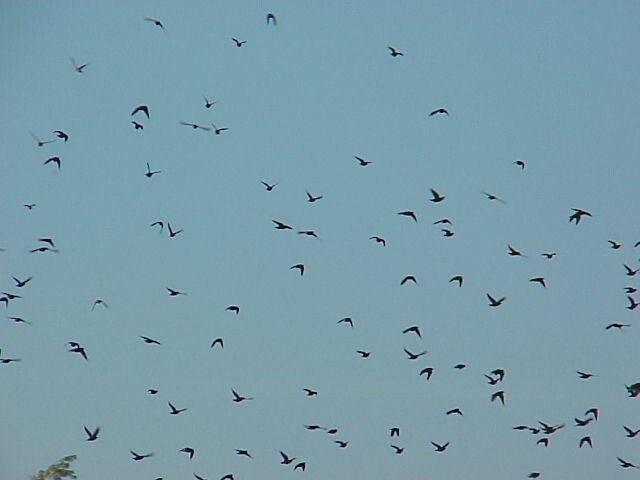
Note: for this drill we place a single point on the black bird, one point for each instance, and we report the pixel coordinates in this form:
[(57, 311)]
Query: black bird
[(460, 366), (582, 422), (394, 52), (499, 372), (415, 329), (281, 226), (549, 429), (341, 443), (395, 431), (76, 67), (548, 255), (152, 391), (195, 126), (141, 108), (619, 326), (19, 320), (447, 233), (625, 464), (40, 143), (630, 289), (414, 356), (593, 411), (348, 320), (239, 43), (47, 240), (21, 283), (55, 160), (440, 448), (494, 302), (630, 271), (439, 110), (455, 411), (29, 206), (409, 278), (539, 280), (309, 233), (268, 187), (309, 392), (244, 453), (150, 341), (174, 410), (9, 360), (632, 303), (137, 456), (363, 353), (298, 266), (457, 278), (217, 130), (491, 196), (498, 395), (156, 22), (398, 450), (286, 460), (158, 223), (513, 252), (428, 371), (271, 18), (207, 103), (173, 233), (92, 436), (198, 477), (409, 213), (614, 245), (233, 308), (578, 214), (362, 161), (443, 221), (216, 342), (379, 240), (491, 380), (520, 163), (76, 348), (543, 441), (149, 173), (174, 293), (302, 466), (61, 134), (137, 126), (631, 433), (239, 398), (189, 451), (436, 197), (99, 301), (311, 198), (585, 376)]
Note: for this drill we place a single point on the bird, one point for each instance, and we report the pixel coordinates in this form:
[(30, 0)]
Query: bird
[(498, 395), (379, 240), (47, 240), (580, 422), (534, 475), (92, 436), (614, 245), (363, 353), (233, 308), (99, 301), (499, 372), (543, 441), (239, 398), (409, 213), (19, 320), (550, 429), (244, 453), (454, 411), (159, 224), (630, 271), (62, 135), (584, 376), (630, 432), (197, 477), (136, 456), (619, 326), (173, 233), (228, 476), (268, 187), (428, 371), (9, 360), (407, 279), (491, 196), (394, 52), (414, 356), (207, 103), (308, 233), (311, 198), (76, 348), (286, 460), (174, 293), (281, 226), (217, 341), (239, 43), (271, 18), (189, 451), (219, 130), (447, 232), (397, 449), (394, 431), (630, 289), (155, 21), (362, 162), (625, 464), (341, 443), (137, 126), (195, 126), (439, 110), (520, 163), (415, 329), (457, 278), (491, 380), (141, 108), (298, 266), (494, 302), (443, 221), (514, 253), (548, 255), (310, 392), (174, 410), (41, 143), (440, 448), (55, 160), (149, 340), (21, 283), (76, 67), (348, 320), (460, 366), (152, 391), (593, 411), (539, 280), (302, 466), (436, 197), (29, 206), (578, 214), (149, 173), (632, 303)]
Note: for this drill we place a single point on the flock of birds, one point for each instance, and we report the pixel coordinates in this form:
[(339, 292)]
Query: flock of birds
[(542, 431)]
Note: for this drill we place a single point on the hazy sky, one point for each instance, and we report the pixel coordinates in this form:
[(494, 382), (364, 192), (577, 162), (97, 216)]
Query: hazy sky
[(553, 84)]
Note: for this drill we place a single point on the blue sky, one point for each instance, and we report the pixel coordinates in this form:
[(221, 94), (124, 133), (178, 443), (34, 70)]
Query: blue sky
[(552, 84)]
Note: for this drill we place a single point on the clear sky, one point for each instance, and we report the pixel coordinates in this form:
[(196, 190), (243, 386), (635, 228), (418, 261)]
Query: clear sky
[(553, 84)]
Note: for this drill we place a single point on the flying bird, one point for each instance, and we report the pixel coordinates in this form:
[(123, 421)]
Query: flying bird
[(271, 18), (443, 221), (619, 326), (40, 143), (310, 392), (625, 464), (593, 411), (630, 271), (379, 240), (311, 198), (219, 130), (491, 196), (409, 213), (498, 395), (19, 320), (539, 280), (233, 308), (398, 450), (244, 453), (632, 303), (141, 108), (239, 43), (428, 371), (454, 411), (76, 67), (362, 161), (514, 253), (60, 134), (584, 375), (99, 301), (155, 21), (189, 451), (348, 320), (409, 278), (447, 232), (239, 398), (363, 354), (578, 214), (150, 173), (439, 111), (136, 456), (21, 283), (494, 302), (394, 52), (149, 340), (194, 126), (394, 431), (207, 103), (614, 245), (174, 293), (631, 433), (520, 163), (341, 443), (173, 233), (436, 197), (298, 266), (308, 233), (281, 226), (174, 410), (92, 436), (286, 460), (414, 356), (440, 448), (457, 278), (29, 206), (159, 224), (268, 187), (137, 126), (302, 466), (548, 255), (217, 341), (415, 329), (55, 160)]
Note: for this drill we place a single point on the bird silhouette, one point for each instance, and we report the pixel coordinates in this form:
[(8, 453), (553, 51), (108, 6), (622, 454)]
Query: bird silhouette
[(21, 283), (281, 226), (218, 130), (362, 162), (630, 271), (632, 303), (394, 52), (239, 398), (302, 466), (363, 353), (414, 356), (341, 443), (233, 308), (195, 126), (149, 340), (625, 464), (397, 450), (578, 214), (41, 143), (582, 422), (415, 329), (174, 293), (55, 160), (310, 392), (436, 197), (174, 410), (243, 453), (155, 21), (619, 326), (298, 266), (19, 320), (548, 255), (379, 240), (286, 460), (348, 320), (78, 68), (495, 303), (99, 301), (159, 224), (92, 435), (137, 126), (308, 233), (217, 341), (268, 187), (141, 108), (312, 199), (189, 451), (409, 213), (544, 441), (491, 196), (457, 278), (630, 432), (152, 391), (614, 245), (149, 173), (439, 111), (498, 395), (173, 233), (271, 18), (584, 375), (29, 206), (440, 448), (409, 278), (239, 43), (515, 253), (394, 431), (520, 163), (630, 289), (207, 103), (137, 457), (62, 135), (454, 411), (447, 232), (428, 371), (539, 280)]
